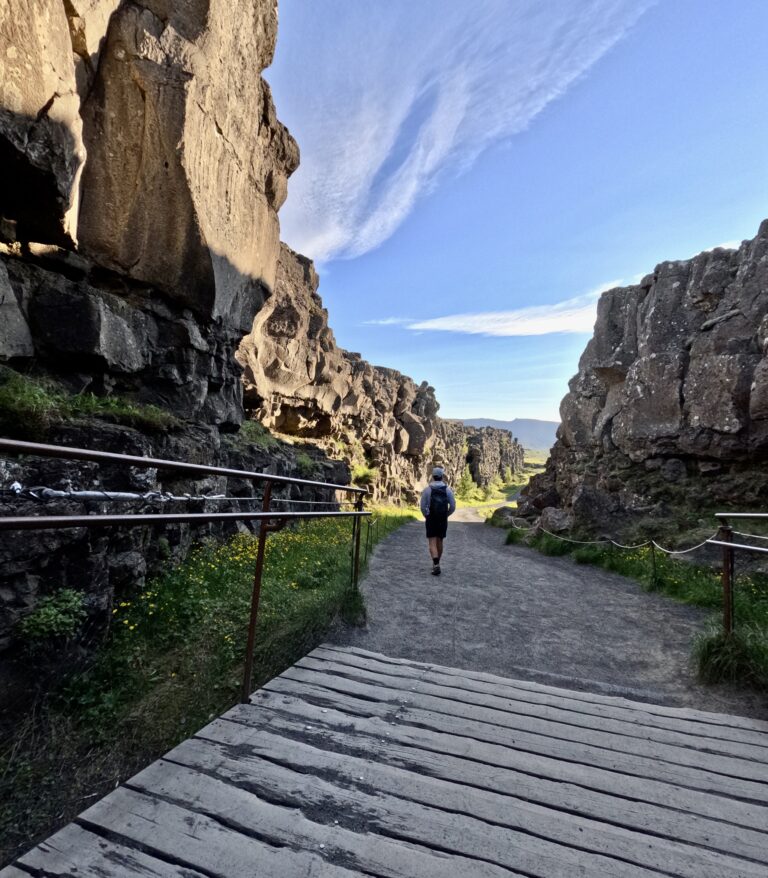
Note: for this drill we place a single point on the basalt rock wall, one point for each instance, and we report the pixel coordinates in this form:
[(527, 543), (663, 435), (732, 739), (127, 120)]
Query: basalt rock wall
[(143, 167), (300, 383), (669, 409), (141, 135)]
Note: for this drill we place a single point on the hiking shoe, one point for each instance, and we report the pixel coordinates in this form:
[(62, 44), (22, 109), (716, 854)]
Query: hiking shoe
[(436, 570)]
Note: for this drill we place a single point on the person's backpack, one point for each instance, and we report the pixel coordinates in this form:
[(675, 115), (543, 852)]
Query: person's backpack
[(438, 501)]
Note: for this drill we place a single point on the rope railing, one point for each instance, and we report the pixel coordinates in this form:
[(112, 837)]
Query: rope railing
[(722, 537), (270, 519), (609, 541)]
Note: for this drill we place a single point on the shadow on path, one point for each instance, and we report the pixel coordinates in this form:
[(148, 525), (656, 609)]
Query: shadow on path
[(510, 611)]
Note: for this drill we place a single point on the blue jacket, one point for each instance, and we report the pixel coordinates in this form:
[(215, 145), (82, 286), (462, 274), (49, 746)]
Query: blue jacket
[(426, 496)]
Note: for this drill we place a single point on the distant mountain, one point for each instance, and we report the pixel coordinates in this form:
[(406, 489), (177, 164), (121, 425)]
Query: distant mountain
[(531, 433)]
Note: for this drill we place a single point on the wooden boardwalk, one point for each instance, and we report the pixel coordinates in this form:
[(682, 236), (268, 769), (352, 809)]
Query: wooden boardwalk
[(351, 763)]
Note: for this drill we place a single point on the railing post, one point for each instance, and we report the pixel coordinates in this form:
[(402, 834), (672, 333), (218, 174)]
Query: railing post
[(726, 535), (653, 565), (257, 577), (355, 525), (356, 566)]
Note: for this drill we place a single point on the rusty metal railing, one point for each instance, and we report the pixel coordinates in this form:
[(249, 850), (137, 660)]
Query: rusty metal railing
[(725, 536), (270, 519)]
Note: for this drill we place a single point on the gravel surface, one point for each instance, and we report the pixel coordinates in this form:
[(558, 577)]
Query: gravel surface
[(511, 611)]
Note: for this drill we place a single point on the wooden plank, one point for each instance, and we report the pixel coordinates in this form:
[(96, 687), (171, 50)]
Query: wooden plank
[(487, 786), (390, 816), (200, 842), (220, 803), (633, 712), (723, 719), (442, 733), (74, 851), (512, 832), (664, 756), (550, 712)]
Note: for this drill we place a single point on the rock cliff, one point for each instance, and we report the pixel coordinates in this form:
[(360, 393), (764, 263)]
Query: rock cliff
[(143, 133), (669, 409), (300, 383), (143, 168)]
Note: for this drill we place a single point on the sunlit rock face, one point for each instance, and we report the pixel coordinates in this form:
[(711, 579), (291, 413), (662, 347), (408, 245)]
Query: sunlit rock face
[(299, 382), (670, 405), (141, 140), (187, 164), (41, 141)]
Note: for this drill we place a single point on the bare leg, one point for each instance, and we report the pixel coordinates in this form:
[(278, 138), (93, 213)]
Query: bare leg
[(438, 547), (435, 547)]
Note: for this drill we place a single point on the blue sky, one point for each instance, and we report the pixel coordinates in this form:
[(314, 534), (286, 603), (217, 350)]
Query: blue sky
[(474, 172)]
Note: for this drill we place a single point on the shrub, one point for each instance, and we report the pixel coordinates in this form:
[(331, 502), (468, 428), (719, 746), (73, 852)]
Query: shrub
[(741, 657), (466, 487), (305, 465), (58, 617), (255, 433), (363, 475)]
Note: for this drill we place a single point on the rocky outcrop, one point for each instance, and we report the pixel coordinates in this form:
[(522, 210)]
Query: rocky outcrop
[(492, 453), (300, 383), (143, 134), (669, 409)]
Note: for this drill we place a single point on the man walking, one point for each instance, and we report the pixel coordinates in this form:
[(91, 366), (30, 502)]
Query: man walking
[(437, 503)]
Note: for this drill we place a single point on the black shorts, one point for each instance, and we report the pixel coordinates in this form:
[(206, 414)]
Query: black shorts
[(437, 526)]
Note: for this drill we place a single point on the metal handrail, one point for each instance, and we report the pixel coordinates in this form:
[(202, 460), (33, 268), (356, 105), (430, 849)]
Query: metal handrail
[(737, 546), (270, 520), (56, 522), (37, 448)]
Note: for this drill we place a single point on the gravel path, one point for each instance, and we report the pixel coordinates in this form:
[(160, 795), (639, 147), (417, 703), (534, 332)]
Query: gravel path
[(509, 610)]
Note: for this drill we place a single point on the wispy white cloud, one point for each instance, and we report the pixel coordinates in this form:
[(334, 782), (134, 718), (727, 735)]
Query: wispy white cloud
[(572, 315), (385, 98), (388, 321)]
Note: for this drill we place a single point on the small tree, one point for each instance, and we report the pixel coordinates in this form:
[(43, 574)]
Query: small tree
[(466, 487)]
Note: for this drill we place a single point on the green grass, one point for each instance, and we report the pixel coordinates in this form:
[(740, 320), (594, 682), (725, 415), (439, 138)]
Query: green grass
[(29, 407), (473, 496), (743, 657), (363, 475), (172, 661), (254, 433), (740, 658)]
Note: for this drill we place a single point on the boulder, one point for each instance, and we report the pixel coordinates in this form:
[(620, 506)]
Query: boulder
[(555, 520), (505, 516)]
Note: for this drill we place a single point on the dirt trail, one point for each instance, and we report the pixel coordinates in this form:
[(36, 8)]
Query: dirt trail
[(509, 610)]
